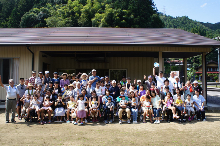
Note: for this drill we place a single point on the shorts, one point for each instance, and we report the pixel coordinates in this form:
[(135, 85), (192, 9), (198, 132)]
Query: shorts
[(34, 107), (60, 111), (24, 110), (180, 108), (46, 108), (19, 103), (146, 108)]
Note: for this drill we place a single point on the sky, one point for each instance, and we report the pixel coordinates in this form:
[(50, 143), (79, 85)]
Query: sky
[(199, 10)]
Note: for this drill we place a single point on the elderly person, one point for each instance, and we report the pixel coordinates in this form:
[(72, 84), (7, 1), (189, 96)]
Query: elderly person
[(172, 80), (21, 89), (197, 87), (12, 94), (47, 79), (114, 90), (94, 78), (148, 82)]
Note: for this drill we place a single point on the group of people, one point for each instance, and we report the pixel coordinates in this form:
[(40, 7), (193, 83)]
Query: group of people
[(81, 98)]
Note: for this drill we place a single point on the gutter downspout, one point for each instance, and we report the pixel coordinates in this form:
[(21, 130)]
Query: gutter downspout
[(206, 73), (32, 57)]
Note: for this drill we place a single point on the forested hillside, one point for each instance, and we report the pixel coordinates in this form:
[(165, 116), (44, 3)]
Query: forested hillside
[(79, 13)]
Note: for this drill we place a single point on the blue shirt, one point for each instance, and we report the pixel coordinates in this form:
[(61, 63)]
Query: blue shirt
[(11, 92), (92, 78), (55, 80)]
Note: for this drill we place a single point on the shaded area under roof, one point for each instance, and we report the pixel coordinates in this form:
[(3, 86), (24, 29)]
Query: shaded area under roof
[(103, 36)]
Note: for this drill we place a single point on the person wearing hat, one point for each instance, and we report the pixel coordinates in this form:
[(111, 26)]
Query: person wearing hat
[(148, 82), (64, 80), (21, 89), (160, 79), (47, 77), (11, 96), (30, 90), (197, 87), (39, 80), (94, 78), (138, 84), (32, 78), (123, 80), (177, 84), (55, 78), (84, 79), (114, 90)]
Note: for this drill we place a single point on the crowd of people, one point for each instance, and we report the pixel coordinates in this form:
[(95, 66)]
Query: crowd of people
[(80, 98)]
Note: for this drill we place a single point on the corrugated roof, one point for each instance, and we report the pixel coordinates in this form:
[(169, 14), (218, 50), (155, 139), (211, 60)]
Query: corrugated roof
[(102, 36)]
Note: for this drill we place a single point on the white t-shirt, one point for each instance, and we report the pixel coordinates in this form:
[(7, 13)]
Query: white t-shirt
[(81, 105), (175, 97), (103, 90), (98, 91), (160, 81), (189, 103), (84, 82), (29, 91)]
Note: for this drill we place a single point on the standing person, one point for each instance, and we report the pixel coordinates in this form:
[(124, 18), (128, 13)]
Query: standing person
[(64, 80), (176, 85), (123, 81), (128, 83), (94, 78), (32, 78), (47, 78), (21, 89), (160, 79), (39, 80), (12, 94), (26, 81), (114, 90), (55, 78), (188, 89), (148, 82), (107, 80), (197, 87), (172, 80)]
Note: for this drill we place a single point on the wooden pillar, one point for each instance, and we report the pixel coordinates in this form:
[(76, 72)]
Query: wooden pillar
[(185, 69), (204, 74), (160, 62)]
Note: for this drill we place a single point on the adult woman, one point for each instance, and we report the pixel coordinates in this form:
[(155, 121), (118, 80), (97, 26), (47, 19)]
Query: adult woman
[(141, 91), (30, 90), (188, 89)]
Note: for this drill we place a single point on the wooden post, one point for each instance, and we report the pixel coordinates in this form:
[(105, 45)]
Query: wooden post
[(160, 62), (204, 74), (185, 69)]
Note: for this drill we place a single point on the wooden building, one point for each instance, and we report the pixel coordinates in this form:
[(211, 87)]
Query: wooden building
[(130, 51)]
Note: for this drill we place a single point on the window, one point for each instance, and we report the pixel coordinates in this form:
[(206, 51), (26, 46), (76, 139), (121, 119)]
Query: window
[(208, 69), (211, 69), (116, 74)]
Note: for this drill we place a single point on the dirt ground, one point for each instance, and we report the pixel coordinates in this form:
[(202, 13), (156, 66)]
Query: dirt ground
[(194, 133)]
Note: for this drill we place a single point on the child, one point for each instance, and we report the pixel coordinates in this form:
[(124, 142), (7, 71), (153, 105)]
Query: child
[(64, 91), (34, 105), (26, 104), (179, 106), (169, 105), (46, 108), (134, 109), (84, 81), (123, 107), (70, 92), (102, 88), (76, 81), (147, 105), (94, 109), (108, 109), (156, 101), (81, 113), (189, 107), (59, 111), (71, 108)]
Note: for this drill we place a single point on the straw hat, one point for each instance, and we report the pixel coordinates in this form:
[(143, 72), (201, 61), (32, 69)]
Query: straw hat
[(29, 85)]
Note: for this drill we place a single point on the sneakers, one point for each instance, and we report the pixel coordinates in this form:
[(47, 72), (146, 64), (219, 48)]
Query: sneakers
[(120, 122), (7, 121), (106, 122), (81, 123), (198, 119), (204, 120), (128, 121), (75, 123), (158, 121), (134, 122), (155, 122), (86, 121), (192, 118), (68, 121), (189, 119), (110, 121)]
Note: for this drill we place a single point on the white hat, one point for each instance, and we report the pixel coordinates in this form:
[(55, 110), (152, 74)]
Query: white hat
[(138, 81), (113, 81), (93, 70), (195, 82), (84, 74), (176, 77), (47, 72)]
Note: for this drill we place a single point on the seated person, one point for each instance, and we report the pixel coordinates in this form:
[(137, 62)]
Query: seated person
[(147, 108), (26, 104), (108, 109), (59, 110), (94, 109), (179, 106), (198, 101), (169, 106), (189, 107), (46, 109), (34, 105), (123, 107), (71, 108)]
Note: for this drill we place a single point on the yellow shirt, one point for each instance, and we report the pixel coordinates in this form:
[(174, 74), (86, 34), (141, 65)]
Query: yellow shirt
[(71, 104), (179, 101)]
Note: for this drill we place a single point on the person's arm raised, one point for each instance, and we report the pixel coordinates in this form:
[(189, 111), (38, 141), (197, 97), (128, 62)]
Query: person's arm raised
[(154, 71), (1, 81)]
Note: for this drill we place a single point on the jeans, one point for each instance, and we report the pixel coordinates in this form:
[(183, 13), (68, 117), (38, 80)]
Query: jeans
[(156, 112), (135, 113), (107, 112), (199, 113)]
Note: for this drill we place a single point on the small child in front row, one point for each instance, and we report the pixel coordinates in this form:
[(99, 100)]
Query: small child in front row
[(179, 106), (148, 109), (34, 105), (71, 105), (81, 113), (94, 109), (59, 111), (26, 104), (109, 109), (189, 107), (134, 109)]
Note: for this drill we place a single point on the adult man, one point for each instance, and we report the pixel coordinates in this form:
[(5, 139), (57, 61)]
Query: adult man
[(172, 80), (114, 90), (197, 87), (47, 78), (148, 82), (93, 79), (39, 80), (32, 78), (12, 94), (160, 79), (21, 89)]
